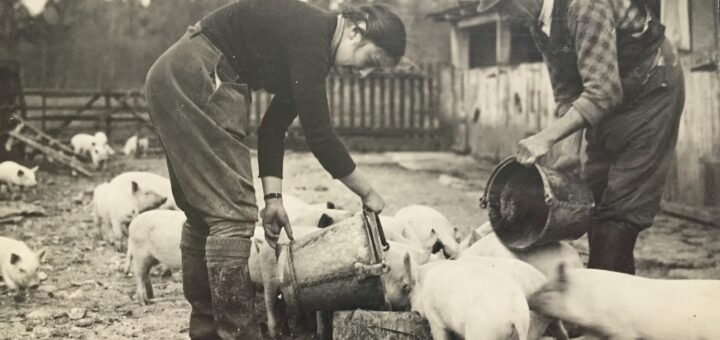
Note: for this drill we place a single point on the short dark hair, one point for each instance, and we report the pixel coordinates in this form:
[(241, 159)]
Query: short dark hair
[(384, 28)]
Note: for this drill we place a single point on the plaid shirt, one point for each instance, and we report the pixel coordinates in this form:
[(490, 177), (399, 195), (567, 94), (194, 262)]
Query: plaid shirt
[(594, 26)]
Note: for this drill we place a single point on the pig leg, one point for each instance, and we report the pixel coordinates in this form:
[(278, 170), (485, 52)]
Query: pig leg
[(270, 288), (538, 325), (438, 331), (141, 268), (117, 235)]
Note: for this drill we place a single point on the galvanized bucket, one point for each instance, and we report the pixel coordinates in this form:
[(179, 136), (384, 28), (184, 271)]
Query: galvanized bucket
[(336, 268), (535, 205)]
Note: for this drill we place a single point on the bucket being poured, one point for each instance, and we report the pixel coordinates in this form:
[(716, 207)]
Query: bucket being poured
[(535, 205)]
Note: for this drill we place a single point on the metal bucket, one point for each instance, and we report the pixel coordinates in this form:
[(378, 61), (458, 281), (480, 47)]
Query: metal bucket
[(536, 205), (335, 268)]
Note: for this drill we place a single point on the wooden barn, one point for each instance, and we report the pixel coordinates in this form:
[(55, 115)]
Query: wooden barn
[(501, 91)]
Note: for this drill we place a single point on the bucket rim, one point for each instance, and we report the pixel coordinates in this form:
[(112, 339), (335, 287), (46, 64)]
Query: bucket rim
[(547, 192)]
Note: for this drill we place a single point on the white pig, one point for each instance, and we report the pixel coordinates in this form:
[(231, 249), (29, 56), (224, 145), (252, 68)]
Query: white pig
[(395, 282), (19, 264), (15, 175), (421, 219), (153, 237), (530, 280), (472, 300), (545, 257), (115, 205), (102, 141), (136, 146), (319, 216), (86, 145), (610, 305), (150, 181)]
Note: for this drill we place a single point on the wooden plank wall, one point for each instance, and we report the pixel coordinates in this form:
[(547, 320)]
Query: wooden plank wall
[(501, 105)]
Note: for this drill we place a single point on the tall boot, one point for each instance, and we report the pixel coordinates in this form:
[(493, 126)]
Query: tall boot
[(233, 294), (196, 288), (612, 245)]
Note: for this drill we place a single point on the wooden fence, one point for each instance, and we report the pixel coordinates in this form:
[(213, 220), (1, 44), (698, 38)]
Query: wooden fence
[(393, 105)]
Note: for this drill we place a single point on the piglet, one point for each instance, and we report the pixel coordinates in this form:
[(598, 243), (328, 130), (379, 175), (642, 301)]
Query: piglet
[(153, 238), (610, 305), (102, 141), (471, 300), (136, 146), (395, 282), (150, 181), (115, 205), (545, 257), (87, 145), (19, 264), (15, 175), (420, 219)]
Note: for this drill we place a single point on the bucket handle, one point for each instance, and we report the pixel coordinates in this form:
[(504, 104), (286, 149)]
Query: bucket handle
[(371, 214), (485, 197)]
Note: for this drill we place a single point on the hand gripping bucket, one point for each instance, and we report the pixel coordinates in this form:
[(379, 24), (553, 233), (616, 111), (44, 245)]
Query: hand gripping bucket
[(535, 205), (336, 268)]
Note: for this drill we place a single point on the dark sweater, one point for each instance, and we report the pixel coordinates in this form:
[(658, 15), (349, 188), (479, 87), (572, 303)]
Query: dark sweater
[(283, 46)]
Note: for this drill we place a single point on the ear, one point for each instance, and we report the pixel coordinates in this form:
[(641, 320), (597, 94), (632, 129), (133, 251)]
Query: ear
[(35, 168), (14, 258), (330, 205), (407, 263), (135, 187), (20, 173), (432, 240), (325, 221), (41, 254)]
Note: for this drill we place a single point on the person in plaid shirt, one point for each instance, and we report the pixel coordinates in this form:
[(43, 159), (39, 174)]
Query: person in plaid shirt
[(614, 74)]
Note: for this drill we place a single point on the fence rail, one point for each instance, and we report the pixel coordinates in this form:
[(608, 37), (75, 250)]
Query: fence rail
[(383, 104)]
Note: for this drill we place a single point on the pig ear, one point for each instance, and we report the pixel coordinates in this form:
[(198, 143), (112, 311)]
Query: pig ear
[(20, 173), (330, 205), (325, 221), (14, 258), (135, 187), (42, 254), (35, 168), (432, 240), (407, 263)]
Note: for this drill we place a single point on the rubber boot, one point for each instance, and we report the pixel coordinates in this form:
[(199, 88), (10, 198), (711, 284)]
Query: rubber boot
[(232, 292), (612, 244), (196, 288)]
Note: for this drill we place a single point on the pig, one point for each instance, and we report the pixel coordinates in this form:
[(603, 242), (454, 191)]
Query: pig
[(545, 257), (319, 216), (101, 140), (115, 205), (610, 305), (150, 181), (421, 219), (136, 146), (530, 281), (471, 300), (19, 264), (395, 281), (86, 145), (153, 238), (15, 175)]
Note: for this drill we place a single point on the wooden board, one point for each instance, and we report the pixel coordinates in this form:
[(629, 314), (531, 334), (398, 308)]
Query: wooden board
[(377, 325)]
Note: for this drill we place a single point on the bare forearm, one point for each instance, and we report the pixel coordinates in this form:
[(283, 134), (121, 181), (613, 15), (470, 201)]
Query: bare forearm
[(357, 183), (566, 125), (271, 184)]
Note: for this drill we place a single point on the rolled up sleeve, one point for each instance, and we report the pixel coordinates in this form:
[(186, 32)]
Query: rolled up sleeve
[(593, 29)]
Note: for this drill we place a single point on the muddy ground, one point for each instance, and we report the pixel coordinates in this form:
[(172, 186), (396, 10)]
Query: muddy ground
[(86, 296)]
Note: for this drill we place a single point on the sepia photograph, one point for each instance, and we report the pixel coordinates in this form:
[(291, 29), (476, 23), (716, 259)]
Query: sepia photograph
[(360, 169)]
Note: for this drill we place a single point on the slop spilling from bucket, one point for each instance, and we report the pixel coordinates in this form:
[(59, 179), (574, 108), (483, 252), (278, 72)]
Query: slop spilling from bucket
[(536, 205), (336, 268)]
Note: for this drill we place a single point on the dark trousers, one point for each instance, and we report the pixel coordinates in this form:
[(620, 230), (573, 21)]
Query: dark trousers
[(630, 154), (200, 116)]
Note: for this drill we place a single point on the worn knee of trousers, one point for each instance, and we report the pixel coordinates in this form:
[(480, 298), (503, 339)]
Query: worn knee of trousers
[(227, 250), (193, 240), (229, 228)]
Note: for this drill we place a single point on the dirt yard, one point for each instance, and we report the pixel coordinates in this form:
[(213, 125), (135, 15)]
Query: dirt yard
[(86, 296)]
